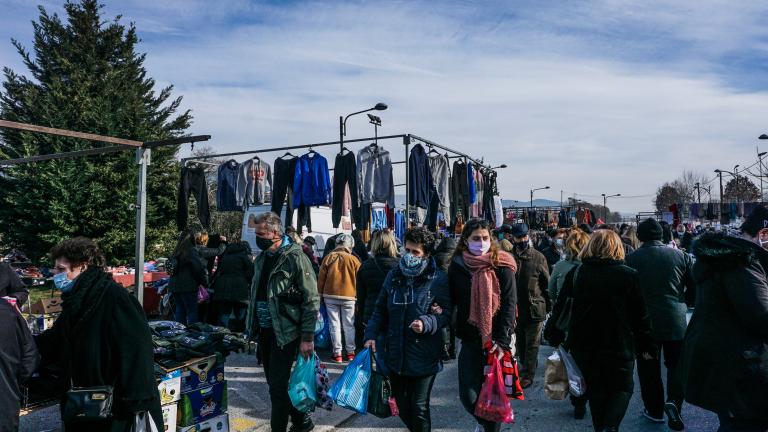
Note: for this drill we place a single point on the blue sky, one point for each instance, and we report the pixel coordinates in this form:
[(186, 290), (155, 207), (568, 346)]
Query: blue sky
[(588, 97)]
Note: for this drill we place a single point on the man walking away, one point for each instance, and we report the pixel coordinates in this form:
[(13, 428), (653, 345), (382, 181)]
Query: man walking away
[(724, 363), (532, 301), (664, 277), (282, 311), (17, 362)]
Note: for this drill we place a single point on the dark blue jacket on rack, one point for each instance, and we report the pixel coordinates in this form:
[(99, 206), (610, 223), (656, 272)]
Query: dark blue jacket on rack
[(471, 183), (312, 183), (227, 186), (419, 177)]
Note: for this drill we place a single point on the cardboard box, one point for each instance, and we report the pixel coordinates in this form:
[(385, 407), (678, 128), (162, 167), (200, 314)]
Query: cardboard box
[(46, 306), (170, 387), (218, 424), (170, 413), (203, 404), (201, 373)]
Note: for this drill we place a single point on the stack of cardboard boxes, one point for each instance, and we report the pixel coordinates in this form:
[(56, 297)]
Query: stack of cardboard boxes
[(194, 396)]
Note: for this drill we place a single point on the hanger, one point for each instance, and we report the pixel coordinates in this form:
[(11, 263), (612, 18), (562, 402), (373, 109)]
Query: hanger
[(311, 152), (343, 149), (286, 155), (432, 150), (256, 158)]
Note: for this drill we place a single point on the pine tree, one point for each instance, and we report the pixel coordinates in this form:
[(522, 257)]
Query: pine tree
[(84, 74)]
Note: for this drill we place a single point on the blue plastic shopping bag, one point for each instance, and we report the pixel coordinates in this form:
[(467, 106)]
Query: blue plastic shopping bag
[(323, 337), (351, 388), (302, 387)]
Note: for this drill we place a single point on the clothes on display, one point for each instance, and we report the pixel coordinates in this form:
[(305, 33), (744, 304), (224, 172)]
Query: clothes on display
[(471, 184), (226, 187), (421, 178), (376, 181), (440, 174), (459, 197), (282, 186), (192, 185), (498, 211), (344, 182), (378, 217), (252, 182), (476, 209), (312, 182), (401, 226)]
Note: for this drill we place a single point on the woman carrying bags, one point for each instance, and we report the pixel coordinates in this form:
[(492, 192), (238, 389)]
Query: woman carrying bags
[(412, 307), (482, 284)]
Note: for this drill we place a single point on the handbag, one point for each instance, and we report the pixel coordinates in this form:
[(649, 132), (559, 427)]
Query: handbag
[(85, 404), (202, 295), (576, 382), (563, 322), (380, 399)]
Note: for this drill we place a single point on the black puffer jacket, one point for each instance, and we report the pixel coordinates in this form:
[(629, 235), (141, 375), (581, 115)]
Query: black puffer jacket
[(370, 279), (234, 274), (460, 283), (724, 362)]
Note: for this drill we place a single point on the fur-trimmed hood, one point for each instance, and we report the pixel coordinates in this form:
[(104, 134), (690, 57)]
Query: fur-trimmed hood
[(720, 250)]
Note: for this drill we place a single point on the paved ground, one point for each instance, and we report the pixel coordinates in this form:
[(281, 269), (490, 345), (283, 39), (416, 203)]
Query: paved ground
[(249, 408)]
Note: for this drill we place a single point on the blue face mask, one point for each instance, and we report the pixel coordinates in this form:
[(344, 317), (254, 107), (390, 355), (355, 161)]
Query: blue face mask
[(61, 282), (412, 265)]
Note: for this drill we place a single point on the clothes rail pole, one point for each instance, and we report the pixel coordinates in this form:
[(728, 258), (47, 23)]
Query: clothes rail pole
[(448, 149), (143, 153), (294, 147)]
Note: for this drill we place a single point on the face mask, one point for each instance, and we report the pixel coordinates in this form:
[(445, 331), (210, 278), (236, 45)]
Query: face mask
[(521, 246), (263, 243), (478, 248), (559, 242), (61, 282), (412, 265)]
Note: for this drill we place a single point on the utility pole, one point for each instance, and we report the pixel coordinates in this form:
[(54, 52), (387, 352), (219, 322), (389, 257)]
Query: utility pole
[(760, 162), (720, 211)]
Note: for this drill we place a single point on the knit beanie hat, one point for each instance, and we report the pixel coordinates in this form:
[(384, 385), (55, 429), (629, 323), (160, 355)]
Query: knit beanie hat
[(649, 230), (756, 221)]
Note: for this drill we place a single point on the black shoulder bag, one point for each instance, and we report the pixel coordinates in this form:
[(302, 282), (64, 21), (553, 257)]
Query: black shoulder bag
[(86, 404)]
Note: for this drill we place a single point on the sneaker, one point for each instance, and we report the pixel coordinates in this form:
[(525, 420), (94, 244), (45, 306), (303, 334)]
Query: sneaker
[(350, 357), (653, 419), (307, 426), (674, 420), (337, 359)]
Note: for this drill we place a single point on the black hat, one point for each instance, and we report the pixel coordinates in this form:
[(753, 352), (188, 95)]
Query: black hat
[(756, 221), (506, 228), (310, 240), (649, 230), (584, 227), (519, 230)]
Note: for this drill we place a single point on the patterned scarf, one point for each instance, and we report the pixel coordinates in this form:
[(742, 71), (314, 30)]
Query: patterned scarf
[(486, 293)]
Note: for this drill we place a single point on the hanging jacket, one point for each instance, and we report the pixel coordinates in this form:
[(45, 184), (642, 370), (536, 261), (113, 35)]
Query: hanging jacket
[(226, 189), (419, 177), (252, 182), (376, 181), (471, 184), (312, 182), (459, 191), (440, 173), (401, 301)]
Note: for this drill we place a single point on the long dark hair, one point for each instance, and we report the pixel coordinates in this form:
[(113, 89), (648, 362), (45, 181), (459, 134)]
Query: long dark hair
[(184, 247), (470, 227)]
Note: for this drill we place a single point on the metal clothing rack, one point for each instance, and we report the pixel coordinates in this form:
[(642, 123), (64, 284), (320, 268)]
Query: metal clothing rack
[(143, 153), (407, 141)]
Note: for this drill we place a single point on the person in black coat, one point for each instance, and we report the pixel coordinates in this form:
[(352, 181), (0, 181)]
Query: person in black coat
[(411, 308), (609, 327), (373, 272), (232, 285), (187, 276), (18, 360), (724, 363), (101, 338), (11, 284), (494, 333)]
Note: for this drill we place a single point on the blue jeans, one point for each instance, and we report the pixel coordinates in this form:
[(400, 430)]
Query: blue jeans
[(186, 307)]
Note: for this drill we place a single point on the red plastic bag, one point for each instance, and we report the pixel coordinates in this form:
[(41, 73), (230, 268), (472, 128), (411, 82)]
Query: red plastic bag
[(493, 403)]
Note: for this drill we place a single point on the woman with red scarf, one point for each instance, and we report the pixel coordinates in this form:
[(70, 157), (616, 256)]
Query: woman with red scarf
[(481, 278)]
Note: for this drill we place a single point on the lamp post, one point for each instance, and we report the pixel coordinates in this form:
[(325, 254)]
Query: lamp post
[(500, 166), (381, 106), (760, 162), (534, 190), (720, 174), (605, 205)]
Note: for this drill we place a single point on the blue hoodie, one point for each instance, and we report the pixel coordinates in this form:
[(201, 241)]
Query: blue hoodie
[(312, 183)]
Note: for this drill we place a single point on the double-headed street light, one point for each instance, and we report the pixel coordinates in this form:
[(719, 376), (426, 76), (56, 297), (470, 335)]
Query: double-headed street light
[(500, 166), (605, 205), (534, 190), (381, 106)]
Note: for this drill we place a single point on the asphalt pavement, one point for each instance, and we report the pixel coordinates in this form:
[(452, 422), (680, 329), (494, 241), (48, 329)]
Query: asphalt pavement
[(249, 408)]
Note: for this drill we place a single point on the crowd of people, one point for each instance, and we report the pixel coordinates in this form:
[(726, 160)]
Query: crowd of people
[(616, 298)]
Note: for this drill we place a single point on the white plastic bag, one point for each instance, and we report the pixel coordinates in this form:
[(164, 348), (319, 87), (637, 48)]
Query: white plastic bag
[(143, 422), (576, 380)]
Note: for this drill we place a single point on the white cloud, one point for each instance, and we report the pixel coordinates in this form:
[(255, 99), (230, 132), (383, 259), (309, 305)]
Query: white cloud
[(609, 96)]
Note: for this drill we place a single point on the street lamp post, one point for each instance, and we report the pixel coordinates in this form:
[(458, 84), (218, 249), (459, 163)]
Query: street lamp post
[(605, 205), (760, 162), (534, 190), (381, 106)]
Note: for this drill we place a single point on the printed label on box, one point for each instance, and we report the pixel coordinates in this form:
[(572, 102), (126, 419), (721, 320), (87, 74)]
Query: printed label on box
[(170, 413), (170, 387)]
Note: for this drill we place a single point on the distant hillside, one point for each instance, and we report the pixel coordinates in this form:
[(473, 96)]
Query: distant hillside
[(526, 203)]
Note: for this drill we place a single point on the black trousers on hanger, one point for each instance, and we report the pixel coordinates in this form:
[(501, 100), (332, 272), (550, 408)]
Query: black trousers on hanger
[(344, 172), (282, 187), (363, 216), (193, 184), (434, 208)]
